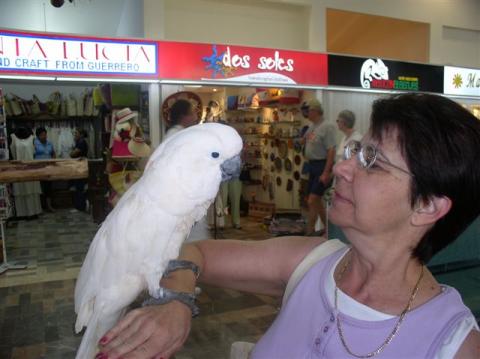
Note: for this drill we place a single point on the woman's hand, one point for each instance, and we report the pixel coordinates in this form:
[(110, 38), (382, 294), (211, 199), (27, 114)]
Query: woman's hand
[(150, 332)]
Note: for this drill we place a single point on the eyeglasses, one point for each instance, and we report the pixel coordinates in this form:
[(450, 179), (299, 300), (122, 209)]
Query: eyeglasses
[(367, 154)]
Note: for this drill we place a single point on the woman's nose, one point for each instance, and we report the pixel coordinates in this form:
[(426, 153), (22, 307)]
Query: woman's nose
[(345, 169)]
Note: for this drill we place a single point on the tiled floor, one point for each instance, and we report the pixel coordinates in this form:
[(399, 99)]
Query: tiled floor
[(36, 304)]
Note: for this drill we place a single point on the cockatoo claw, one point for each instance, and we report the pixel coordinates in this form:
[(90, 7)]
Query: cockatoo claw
[(159, 293)]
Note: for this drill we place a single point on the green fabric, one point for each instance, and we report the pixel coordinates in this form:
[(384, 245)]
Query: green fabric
[(465, 248), (232, 191), (125, 95)]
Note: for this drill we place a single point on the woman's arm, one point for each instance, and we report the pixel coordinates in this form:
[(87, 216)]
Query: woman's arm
[(253, 266), (470, 347)]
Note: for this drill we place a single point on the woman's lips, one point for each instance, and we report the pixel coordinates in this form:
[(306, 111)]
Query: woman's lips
[(339, 197)]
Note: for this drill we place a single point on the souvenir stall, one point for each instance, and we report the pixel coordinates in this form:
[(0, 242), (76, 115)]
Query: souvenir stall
[(259, 92), (66, 83), (355, 82)]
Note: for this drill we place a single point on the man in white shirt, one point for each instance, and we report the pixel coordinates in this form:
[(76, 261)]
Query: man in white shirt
[(346, 123), (182, 115), (320, 152)]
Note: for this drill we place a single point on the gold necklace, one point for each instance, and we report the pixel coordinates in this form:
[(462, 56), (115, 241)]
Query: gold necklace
[(395, 329)]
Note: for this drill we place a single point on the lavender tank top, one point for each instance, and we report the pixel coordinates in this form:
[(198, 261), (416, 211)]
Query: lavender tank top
[(306, 326)]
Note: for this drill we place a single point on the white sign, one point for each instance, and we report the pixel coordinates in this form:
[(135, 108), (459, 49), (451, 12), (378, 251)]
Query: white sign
[(65, 55), (461, 81), (372, 70)]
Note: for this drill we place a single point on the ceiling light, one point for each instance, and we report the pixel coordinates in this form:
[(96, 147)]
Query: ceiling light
[(98, 79), (11, 77)]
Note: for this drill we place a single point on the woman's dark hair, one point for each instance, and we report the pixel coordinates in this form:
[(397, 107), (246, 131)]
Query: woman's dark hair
[(179, 109), (40, 130), (440, 142), (81, 131)]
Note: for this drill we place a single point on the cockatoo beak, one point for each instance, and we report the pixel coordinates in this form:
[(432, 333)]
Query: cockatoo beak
[(231, 168)]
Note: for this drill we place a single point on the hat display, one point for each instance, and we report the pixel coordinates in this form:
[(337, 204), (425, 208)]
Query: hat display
[(289, 185), (282, 149), (297, 146), (122, 180), (296, 176), (288, 165), (124, 115), (298, 160), (138, 147), (278, 164), (191, 97)]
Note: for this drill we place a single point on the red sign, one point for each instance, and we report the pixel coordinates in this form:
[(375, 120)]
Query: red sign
[(225, 63)]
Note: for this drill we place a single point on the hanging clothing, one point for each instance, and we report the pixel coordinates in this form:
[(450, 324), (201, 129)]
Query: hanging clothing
[(26, 194), (65, 143)]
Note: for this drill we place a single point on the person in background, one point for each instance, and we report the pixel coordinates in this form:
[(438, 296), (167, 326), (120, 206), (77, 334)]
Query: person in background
[(79, 150), (346, 124), (44, 151), (182, 115), (319, 142)]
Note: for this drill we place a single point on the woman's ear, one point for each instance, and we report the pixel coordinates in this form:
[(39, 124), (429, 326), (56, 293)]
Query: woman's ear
[(429, 211)]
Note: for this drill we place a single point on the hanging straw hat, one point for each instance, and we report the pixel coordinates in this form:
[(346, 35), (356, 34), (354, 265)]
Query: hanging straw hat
[(138, 147), (125, 115)]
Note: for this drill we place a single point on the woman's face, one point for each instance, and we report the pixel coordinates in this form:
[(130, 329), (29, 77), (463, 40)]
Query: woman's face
[(374, 200), (340, 123), (42, 137)]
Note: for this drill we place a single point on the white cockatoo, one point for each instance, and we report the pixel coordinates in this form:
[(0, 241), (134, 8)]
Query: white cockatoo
[(146, 229)]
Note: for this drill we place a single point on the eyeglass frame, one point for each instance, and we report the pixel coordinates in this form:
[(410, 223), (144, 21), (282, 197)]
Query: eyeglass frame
[(360, 155)]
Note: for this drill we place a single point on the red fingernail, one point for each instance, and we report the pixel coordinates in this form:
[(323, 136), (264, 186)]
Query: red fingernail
[(103, 340), (101, 356)]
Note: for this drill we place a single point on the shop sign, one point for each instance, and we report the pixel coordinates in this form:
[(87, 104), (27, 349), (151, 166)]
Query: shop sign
[(461, 81), (375, 73), (29, 53), (224, 63)]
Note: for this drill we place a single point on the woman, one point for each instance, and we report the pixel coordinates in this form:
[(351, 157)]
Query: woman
[(44, 151), (404, 193), (346, 124)]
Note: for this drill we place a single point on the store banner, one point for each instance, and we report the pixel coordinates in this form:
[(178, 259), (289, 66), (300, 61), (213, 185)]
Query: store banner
[(375, 73), (461, 81), (249, 65), (50, 54)]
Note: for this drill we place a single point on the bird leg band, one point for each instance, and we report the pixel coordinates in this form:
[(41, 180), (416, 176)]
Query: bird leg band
[(177, 264), (166, 295)]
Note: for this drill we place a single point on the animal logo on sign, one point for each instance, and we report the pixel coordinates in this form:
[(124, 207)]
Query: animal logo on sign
[(214, 61), (373, 70)]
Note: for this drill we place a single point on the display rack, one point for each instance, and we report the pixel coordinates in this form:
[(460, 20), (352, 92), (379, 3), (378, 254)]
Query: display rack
[(5, 204)]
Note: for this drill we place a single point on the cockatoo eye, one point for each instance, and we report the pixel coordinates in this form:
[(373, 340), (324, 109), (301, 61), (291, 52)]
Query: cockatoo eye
[(215, 154)]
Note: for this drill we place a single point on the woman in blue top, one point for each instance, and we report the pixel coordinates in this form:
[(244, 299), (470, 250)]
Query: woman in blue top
[(44, 151)]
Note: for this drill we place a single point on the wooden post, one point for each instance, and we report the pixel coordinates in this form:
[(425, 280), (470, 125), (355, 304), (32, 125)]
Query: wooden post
[(43, 170)]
